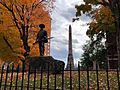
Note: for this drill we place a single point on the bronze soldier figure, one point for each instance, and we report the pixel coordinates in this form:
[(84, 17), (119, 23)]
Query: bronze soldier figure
[(42, 39)]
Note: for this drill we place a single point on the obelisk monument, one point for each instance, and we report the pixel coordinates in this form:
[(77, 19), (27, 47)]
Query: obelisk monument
[(70, 61)]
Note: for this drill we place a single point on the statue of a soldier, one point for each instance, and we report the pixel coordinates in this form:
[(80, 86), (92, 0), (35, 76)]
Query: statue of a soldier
[(42, 39)]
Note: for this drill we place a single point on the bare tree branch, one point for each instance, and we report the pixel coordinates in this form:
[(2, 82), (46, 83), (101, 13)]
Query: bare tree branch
[(16, 23), (18, 11)]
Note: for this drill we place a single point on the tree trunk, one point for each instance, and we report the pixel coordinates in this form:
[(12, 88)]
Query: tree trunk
[(25, 40), (26, 47), (94, 65)]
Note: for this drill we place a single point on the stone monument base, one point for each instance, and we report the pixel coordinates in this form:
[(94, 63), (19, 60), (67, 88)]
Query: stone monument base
[(45, 63)]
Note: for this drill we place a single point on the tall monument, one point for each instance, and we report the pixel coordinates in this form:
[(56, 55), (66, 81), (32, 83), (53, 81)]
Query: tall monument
[(70, 61)]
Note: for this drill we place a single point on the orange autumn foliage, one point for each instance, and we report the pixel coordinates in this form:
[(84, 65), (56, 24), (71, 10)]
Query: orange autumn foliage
[(35, 15)]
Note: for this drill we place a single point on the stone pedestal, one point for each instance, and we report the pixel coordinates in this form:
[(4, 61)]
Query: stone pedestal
[(45, 63)]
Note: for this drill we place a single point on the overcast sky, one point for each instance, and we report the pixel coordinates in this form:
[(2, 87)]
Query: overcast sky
[(61, 19)]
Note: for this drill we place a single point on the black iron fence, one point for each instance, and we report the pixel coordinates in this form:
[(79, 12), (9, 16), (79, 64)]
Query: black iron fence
[(17, 77)]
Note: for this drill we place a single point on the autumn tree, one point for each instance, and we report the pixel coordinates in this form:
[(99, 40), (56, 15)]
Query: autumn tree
[(25, 14), (114, 7), (102, 22), (7, 53)]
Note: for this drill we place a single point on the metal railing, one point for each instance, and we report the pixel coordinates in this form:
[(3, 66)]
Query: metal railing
[(20, 78)]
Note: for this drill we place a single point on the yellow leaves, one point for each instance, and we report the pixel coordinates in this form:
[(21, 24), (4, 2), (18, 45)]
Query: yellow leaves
[(5, 52), (93, 29), (95, 2), (19, 50), (27, 1), (6, 18), (104, 14), (102, 21), (89, 1), (86, 8), (12, 37), (82, 8)]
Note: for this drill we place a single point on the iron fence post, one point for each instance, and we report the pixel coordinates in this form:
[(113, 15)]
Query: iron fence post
[(79, 75), (55, 76), (34, 77), (63, 77), (28, 77), (11, 76), (6, 77), (87, 78), (41, 78), (1, 75), (17, 77), (107, 75), (118, 77), (97, 76), (23, 68), (70, 77), (48, 77)]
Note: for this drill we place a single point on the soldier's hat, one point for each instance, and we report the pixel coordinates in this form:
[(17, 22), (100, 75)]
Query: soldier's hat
[(42, 26)]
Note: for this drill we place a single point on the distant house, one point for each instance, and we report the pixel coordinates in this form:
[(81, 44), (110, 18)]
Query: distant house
[(111, 50)]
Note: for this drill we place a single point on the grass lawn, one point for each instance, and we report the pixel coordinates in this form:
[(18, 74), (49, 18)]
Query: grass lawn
[(113, 81)]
